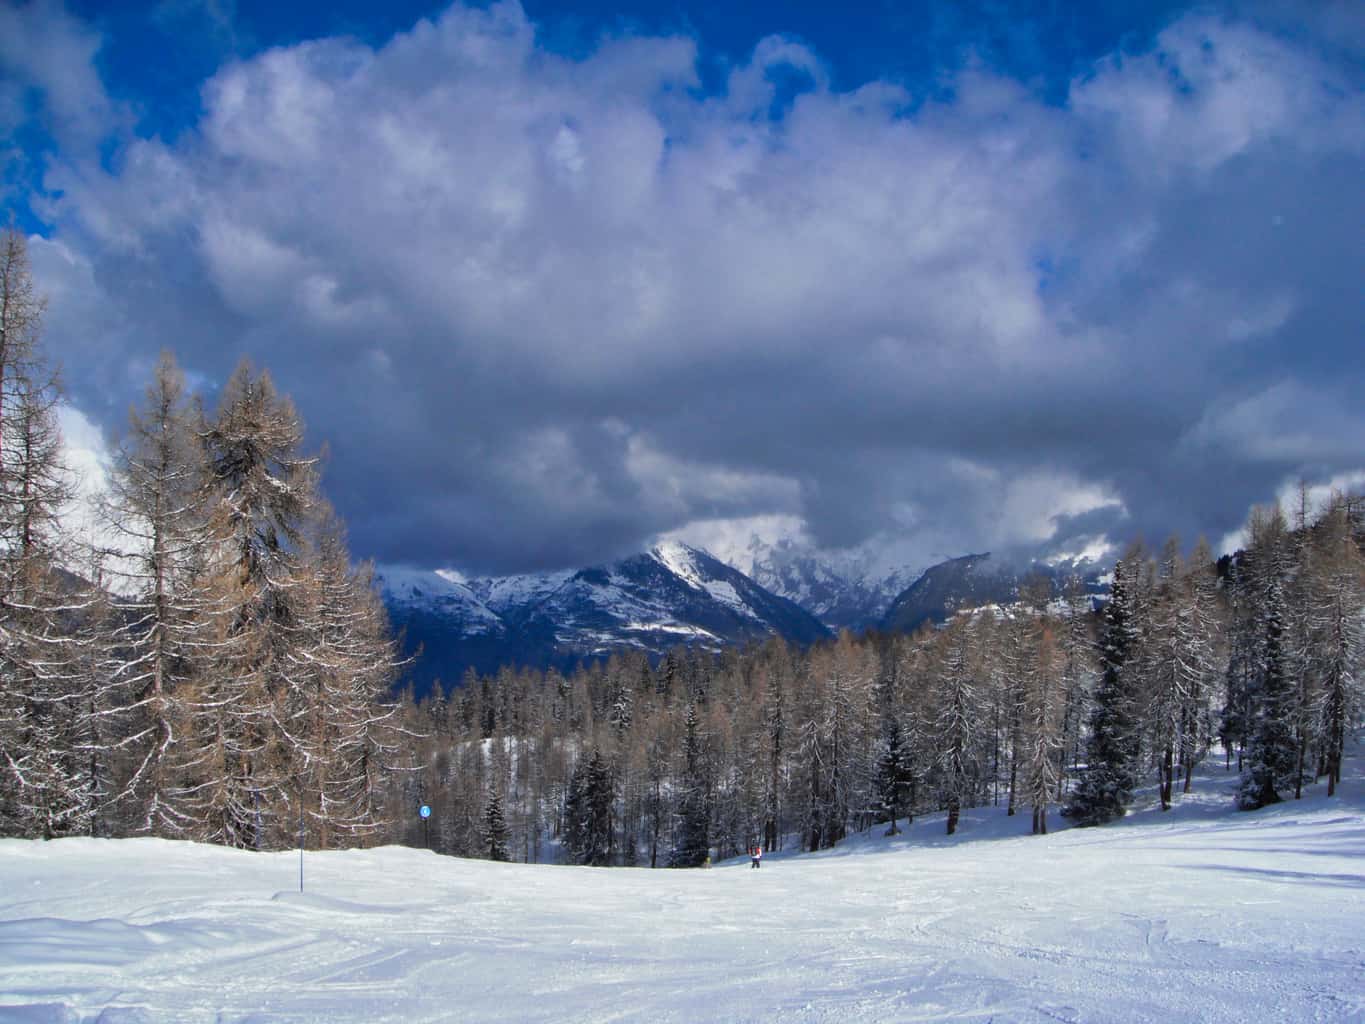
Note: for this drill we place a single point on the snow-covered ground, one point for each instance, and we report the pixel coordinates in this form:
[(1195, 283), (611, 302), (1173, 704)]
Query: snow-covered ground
[(1201, 914)]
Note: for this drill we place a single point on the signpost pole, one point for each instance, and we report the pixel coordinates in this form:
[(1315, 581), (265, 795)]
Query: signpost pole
[(425, 812), (300, 844)]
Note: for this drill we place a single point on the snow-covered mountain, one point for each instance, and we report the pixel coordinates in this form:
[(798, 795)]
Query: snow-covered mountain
[(843, 591), (974, 581), (673, 594), (416, 591)]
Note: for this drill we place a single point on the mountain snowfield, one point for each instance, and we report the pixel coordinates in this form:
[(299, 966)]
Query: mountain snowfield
[(1200, 914)]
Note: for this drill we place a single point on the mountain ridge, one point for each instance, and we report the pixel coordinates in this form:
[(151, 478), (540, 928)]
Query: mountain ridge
[(673, 594)]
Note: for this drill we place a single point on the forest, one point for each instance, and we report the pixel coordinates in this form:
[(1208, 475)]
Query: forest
[(216, 668)]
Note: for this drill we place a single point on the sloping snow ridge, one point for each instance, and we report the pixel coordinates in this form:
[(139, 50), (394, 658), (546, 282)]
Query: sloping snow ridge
[(1199, 914), (680, 560), (506, 593), (434, 592)]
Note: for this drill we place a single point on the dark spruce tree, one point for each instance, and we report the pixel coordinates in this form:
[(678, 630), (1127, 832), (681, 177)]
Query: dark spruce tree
[(588, 828), (895, 772), (495, 828), (693, 847), (1273, 753), (1110, 775)]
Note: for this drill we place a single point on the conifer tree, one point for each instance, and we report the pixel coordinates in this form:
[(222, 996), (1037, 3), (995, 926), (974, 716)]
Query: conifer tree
[(1272, 756), (1338, 633), (495, 828), (1106, 785), (588, 810), (1041, 730), (49, 682), (339, 670), (264, 491), (692, 847), (157, 508), (895, 772), (1203, 661), (958, 717)]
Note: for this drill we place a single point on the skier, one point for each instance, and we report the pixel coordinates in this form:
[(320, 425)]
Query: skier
[(756, 854)]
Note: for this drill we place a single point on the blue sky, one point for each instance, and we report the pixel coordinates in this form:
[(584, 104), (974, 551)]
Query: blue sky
[(552, 280)]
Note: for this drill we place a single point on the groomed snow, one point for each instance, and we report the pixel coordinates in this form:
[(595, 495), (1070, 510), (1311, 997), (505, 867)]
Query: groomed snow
[(1201, 914)]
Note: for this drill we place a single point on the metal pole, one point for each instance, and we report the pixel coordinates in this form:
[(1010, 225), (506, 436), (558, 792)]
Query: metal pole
[(426, 833)]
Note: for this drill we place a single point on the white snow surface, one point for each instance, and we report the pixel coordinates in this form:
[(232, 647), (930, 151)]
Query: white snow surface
[(502, 593), (1199, 914), (679, 559)]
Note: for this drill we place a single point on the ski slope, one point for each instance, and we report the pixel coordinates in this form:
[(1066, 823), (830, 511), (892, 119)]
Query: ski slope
[(1200, 914)]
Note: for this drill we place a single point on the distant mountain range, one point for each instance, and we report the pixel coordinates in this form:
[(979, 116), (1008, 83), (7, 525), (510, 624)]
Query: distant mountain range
[(672, 595)]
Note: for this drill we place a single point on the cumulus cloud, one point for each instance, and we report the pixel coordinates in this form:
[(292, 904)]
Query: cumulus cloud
[(544, 308), (47, 51)]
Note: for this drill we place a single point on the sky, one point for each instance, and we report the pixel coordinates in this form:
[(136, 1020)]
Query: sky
[(550, 281)]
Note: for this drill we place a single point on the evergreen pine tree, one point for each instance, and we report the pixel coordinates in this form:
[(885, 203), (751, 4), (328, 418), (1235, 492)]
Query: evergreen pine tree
[(495, 832), (1110, 775), (588, 812), (958, 717), (692, 847), (1273, 755), (895, 772), (1339, 634)]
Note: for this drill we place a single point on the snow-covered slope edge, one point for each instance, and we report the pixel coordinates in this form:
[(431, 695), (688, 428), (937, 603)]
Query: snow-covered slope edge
[(1202, 914)]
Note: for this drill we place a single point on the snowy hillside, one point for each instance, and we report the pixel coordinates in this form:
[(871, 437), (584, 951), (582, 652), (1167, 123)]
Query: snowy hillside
[(1201, 914)]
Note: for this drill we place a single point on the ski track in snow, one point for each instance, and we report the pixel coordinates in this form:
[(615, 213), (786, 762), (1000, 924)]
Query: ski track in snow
[(1200, 914)]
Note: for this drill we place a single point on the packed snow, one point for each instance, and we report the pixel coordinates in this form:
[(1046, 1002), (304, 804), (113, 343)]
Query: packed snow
[(1200, 914)]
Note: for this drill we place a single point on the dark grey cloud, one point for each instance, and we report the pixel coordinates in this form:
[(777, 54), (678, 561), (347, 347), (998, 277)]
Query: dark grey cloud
[(543, 309)]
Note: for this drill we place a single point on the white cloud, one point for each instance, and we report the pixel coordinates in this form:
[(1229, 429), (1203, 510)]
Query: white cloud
[(1291, 500), (735, 541), (1286, 423), (1215, 89), (465, 255), (88, 459), (44, 48)]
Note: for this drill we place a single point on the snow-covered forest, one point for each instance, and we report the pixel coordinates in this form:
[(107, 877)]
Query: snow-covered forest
[(217, 669), (1039, 708)]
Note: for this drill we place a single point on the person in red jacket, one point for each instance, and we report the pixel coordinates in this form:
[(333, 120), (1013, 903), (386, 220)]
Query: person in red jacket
[(756, 855)]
